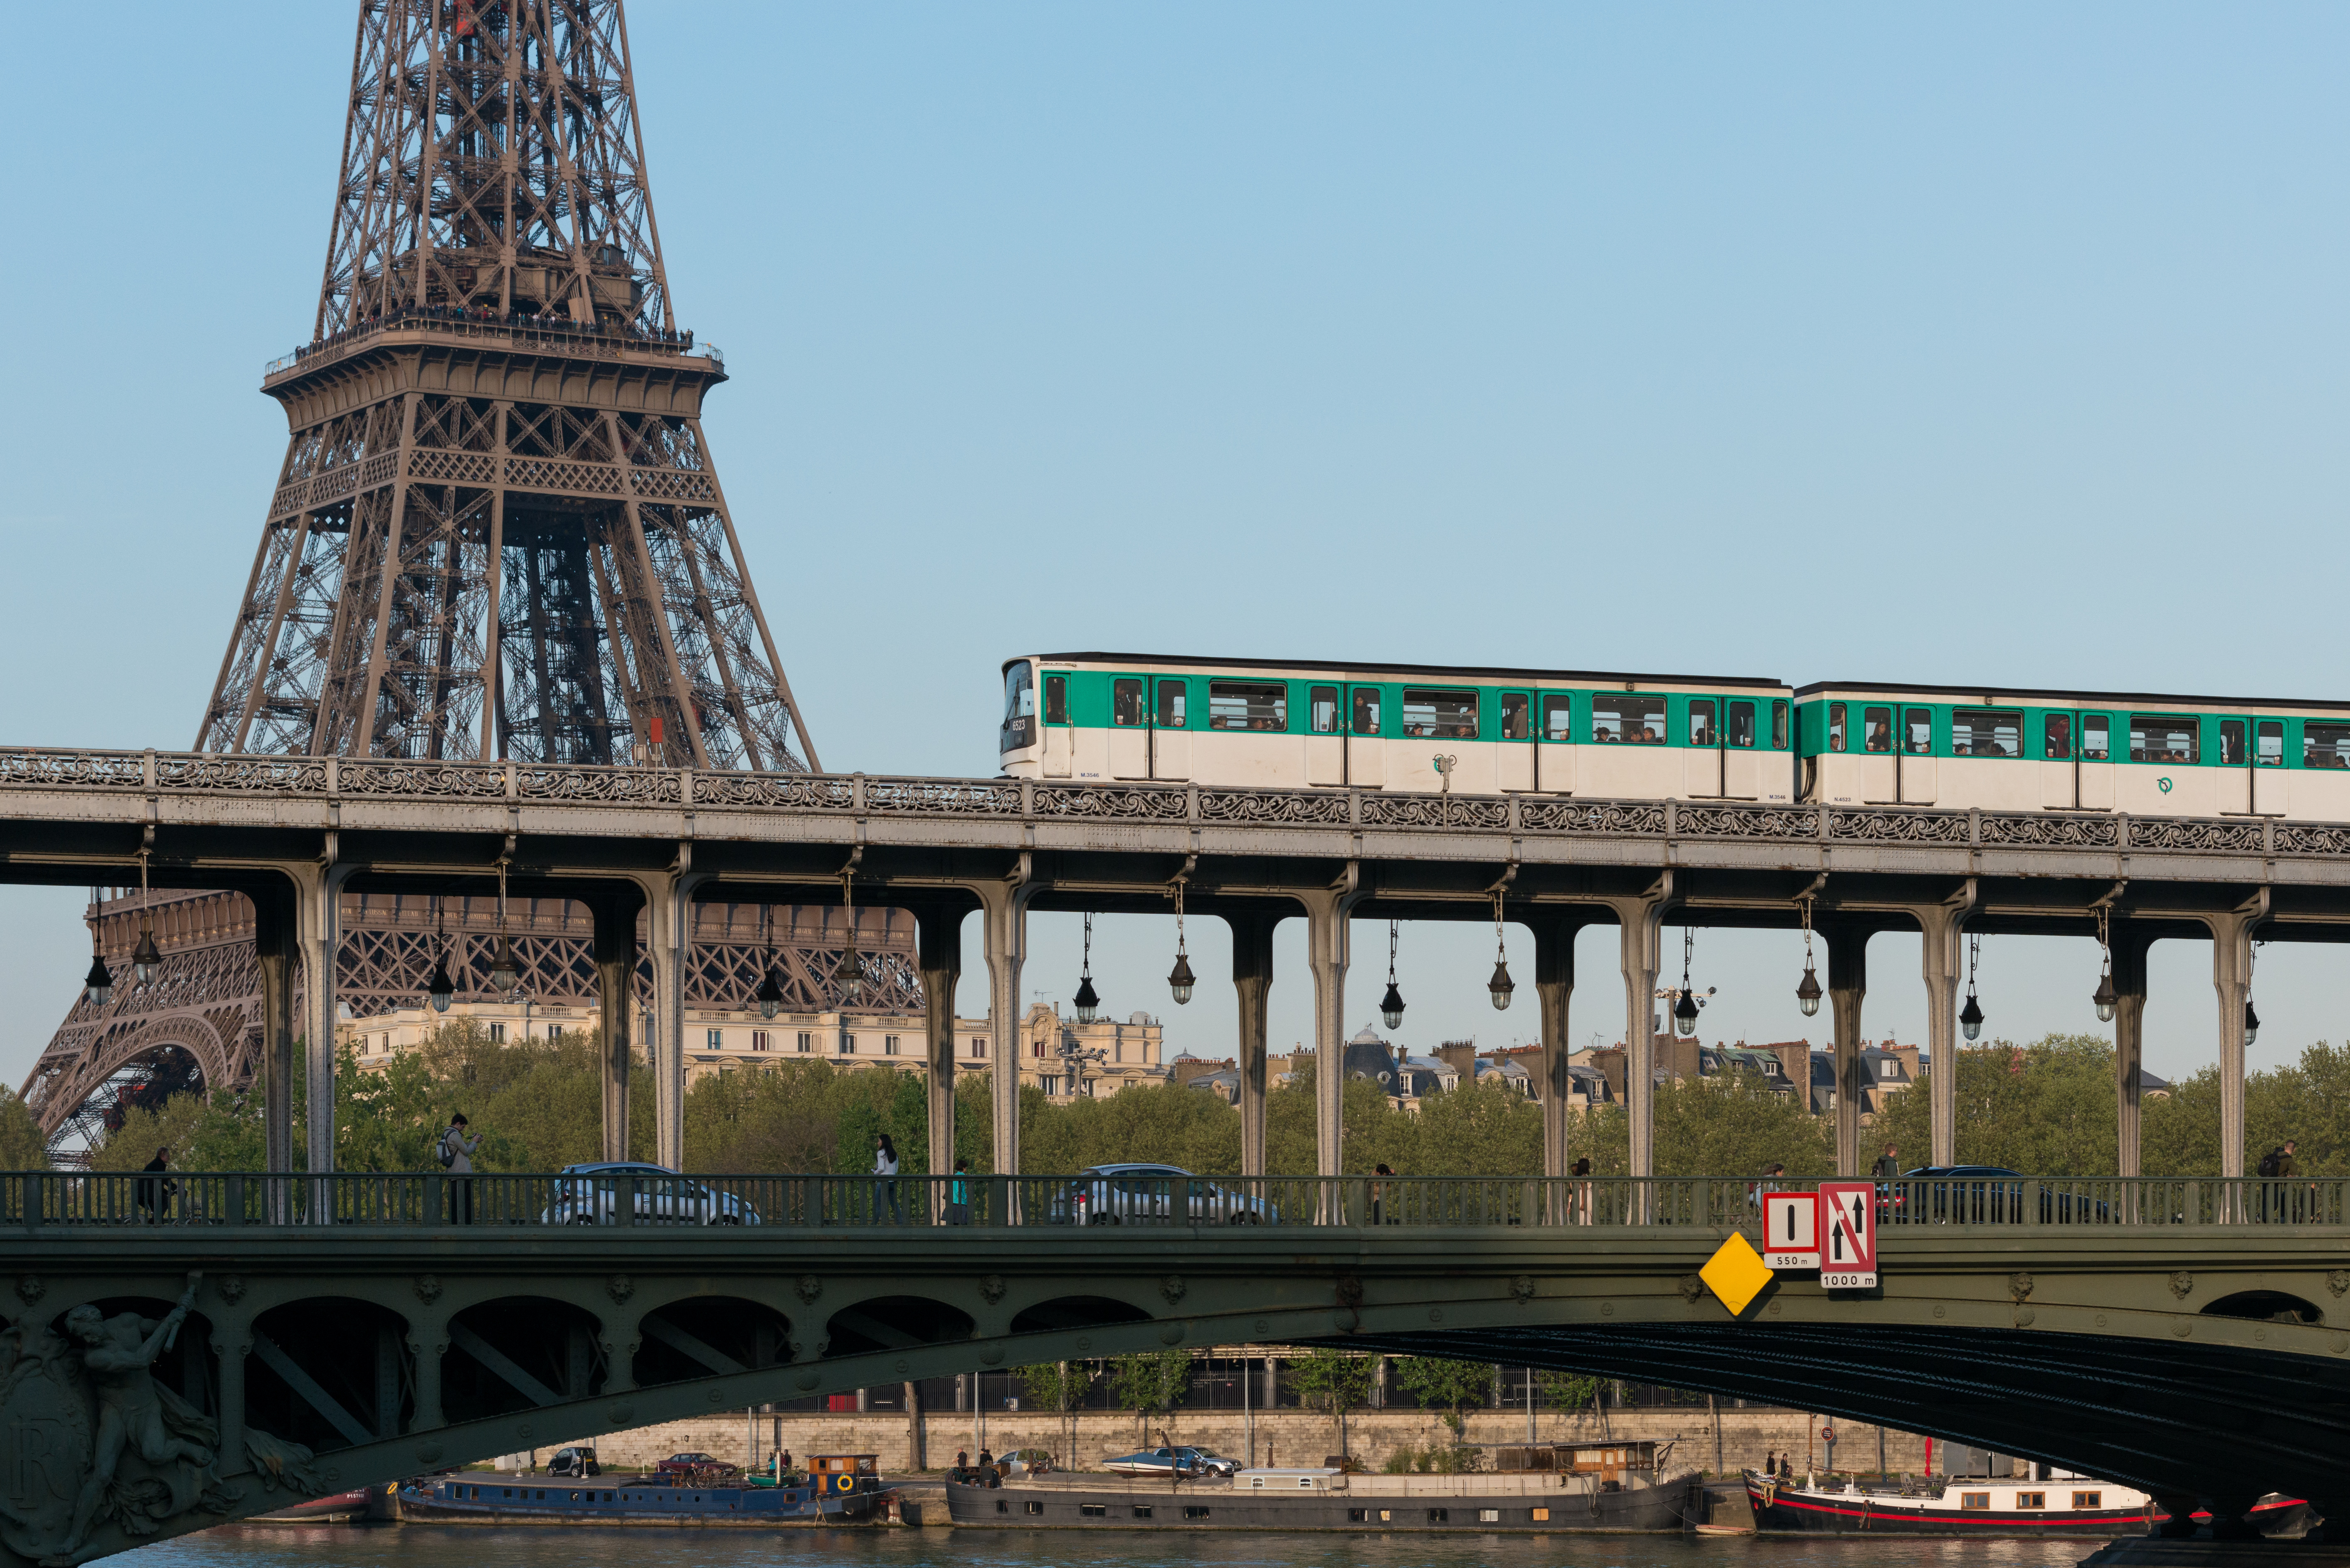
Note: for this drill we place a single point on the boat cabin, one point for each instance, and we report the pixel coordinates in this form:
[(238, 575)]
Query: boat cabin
[(1297, 1478), (1609, 1461), (844, 1464)]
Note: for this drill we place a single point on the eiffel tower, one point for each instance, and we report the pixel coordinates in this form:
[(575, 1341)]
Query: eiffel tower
[(497, 533)]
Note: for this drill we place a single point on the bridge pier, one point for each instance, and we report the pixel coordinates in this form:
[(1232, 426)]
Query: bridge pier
[(231, 1343), (669, 902), (938, 942), (1329, 914), (1253, 978), (1640, 921), (1847, 984), (318, 935), (616, 972), (2128, 949), (276, 954), (1005, 905), (1942, 926), (1553, 990), (2231, 976), (428, 1342)]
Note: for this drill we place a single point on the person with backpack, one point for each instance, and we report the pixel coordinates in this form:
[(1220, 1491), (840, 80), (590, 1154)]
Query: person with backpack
[(885, 1165), (2275, 1167), (456, 1156), (959, 1201)]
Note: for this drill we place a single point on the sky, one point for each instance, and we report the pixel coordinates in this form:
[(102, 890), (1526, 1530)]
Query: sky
[(1989, 344)]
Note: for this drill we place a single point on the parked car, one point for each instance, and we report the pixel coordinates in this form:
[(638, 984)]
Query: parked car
[(695, 1467), (1171, 1461), (1156, 1195), (588, 1195), (574, 1461)]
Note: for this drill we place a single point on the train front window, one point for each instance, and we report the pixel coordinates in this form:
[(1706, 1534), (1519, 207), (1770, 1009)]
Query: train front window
[(1738, 725), (1700, 722), (1248, 705), (2096, 737), (1779, 726), (1322, 709), (1633, 720), (1019, 705), (1125, 702), (1366, 710), (2322, 745), (1558, 718), (1057, 699), (1440, 715), (1835, 726), (2056, 737), (1986, 732), (2165, 738), (1876, 729), (1917, 732), (1517, 718)]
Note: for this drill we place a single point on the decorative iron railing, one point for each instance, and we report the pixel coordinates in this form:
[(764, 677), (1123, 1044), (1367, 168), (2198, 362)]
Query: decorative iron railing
[(32, 1201), (522, 331), (189, 773)]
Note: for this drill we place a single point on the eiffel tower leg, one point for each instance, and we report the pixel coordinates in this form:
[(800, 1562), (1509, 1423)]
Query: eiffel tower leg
[(615, 975), (277, 954), (940, 936)]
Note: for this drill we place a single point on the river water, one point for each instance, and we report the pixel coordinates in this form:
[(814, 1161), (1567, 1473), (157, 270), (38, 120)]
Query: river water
[(462, 1546)]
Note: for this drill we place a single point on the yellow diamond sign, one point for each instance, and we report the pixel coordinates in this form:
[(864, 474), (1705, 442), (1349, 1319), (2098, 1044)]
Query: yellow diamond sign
[(1736, 1274)]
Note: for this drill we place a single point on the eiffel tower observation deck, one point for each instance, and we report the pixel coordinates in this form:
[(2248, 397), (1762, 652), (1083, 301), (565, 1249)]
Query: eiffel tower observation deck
[(498, 534)]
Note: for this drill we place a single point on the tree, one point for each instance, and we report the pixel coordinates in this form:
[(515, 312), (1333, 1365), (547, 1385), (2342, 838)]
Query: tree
[(1151, 1383), (1333, 1382), (1060, 1386), (22, 1146), (1439, 1382)]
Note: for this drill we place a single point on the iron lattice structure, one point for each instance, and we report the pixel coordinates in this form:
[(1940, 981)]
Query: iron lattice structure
[(197, 1025), (497, 532)]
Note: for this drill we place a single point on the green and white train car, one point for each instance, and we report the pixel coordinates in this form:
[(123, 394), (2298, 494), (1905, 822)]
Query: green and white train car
[(1241, 723), (2009, 750)]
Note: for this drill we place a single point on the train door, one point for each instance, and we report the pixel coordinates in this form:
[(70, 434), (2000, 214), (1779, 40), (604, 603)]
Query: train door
[(1130, 727), (1060, 736), (2094, 766), (1326, 746), (2269, 771), (1741, 749), (1701, 761), (1513, 760), (1916, 762), (1366, 757), (1553, 747), (2060, 769), (1879, 768), (1170, 728), (2235, 775)]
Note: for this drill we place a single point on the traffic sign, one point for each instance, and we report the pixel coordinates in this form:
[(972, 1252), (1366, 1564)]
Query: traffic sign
[(1848, 1250), (1791, 1230)]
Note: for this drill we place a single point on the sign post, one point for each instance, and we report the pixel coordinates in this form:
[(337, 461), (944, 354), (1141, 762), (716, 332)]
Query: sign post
[(1791, 1230), (1848, 1248)]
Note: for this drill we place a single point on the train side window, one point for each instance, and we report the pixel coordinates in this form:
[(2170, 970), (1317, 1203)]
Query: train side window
[(1517, 716), (1986, 732), (1918, 737), (1876, 729), (2056, 737), (2096, 737), (1366, 710), (2268, 743), (1634, 720), (1322, 709), (1558, 718), (1057, 699), (1248, 705), (1440, 715), (1779, 726), (1126, 701), (1835, 726), (2322, 745), (1700, 722), (2165, 738), (2231, 742), (1171, 695), (1738, 723)]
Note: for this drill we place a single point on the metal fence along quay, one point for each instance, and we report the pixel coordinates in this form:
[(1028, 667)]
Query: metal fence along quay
[(750, 1205)]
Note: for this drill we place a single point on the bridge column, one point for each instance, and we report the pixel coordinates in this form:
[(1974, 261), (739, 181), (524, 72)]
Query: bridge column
[(428, 1342), (1253, 978), (1943, 927), (1329, 913), (1638, 921), (276, 954), (669, 910), (2130, 1044), (937, 937), (1005, 905), (615, 975), (231, 1343), (1847, 984), (1554, 990), (317, 901), (2231, 976)]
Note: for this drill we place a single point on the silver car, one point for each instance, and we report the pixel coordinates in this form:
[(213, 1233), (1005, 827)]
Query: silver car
[(1157, 1195), (589, 1194)]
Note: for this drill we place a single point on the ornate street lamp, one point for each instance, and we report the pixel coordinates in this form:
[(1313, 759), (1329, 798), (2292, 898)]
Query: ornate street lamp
[(99, 983), (505, 974), (2252, 1023), (1391, 1004), (1088, 1001), (848, 979), (1970, 1016), (1179, 980), (2104, 998), (144, 958), (1685, 1005), (770, 994), (1500, 987), (440, 988), (1807, 990)]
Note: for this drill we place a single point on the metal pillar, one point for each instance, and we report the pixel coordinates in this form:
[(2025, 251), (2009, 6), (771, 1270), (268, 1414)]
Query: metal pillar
[(938, 934), (1329, 915), (1252, 979), (2231, 976), (1943, 927), (669, 914), (318, 894), (1554, 990), (2129, 951), (616, 974), (1638, 921), (276, 954), (1005, 907), (1847, 984)]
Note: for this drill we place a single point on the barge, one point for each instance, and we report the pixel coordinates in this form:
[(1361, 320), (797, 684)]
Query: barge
[(840, 1490)]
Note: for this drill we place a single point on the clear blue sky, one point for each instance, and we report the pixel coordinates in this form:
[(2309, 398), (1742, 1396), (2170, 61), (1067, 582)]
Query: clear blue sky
[(1981, 344)]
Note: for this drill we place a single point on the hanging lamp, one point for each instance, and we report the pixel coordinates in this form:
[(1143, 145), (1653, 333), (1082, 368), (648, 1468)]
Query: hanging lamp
[(505, 974), (99, 983), (1180, 980), (1088, 1001), (1391, 1004), (1500, 987), (1970, 1016), (145, 960), (1808, 990), (440, 988)]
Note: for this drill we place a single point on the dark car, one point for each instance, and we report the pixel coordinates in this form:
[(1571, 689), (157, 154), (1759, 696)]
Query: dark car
[(695, 1467), (1155, 1195), (1988, 1195), (589, 1194), (574, 1461)]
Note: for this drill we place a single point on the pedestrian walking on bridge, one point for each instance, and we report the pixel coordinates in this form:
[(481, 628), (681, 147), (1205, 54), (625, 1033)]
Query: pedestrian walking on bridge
[(456, 1155)]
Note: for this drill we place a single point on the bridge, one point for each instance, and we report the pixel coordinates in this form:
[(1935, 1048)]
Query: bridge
[(2185, 1337)]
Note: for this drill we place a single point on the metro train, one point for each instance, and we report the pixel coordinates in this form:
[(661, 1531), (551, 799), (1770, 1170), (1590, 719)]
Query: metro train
[(1279, 725)]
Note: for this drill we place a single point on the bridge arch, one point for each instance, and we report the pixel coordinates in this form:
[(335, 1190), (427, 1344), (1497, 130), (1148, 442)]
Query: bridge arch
[(702, 1335), (1065, 1313), (303, 1381), (2267, 1306), (894, 1322), (514, 1353)]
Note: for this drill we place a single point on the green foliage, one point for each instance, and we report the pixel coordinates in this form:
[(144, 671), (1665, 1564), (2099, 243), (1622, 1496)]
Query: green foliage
[(1152, 1382), (2046, 1109), (1439, 1381), (805, 1116), (1059, 1386), (21, 1147), (1563, 1390), (1437, 1459), (1329, 1381), (1166, 1123), (1734, 1124)]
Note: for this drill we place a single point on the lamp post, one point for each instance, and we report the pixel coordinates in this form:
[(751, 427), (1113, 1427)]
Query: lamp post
[(1391, 1004)]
